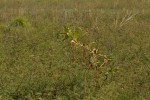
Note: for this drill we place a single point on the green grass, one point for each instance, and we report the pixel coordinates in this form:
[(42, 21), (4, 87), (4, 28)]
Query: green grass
[(36, 64)]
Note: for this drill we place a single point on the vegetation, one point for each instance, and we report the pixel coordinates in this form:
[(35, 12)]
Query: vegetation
[(74, 50)]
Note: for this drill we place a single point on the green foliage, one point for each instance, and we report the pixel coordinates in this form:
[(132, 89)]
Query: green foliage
[(19, 22), (70, 34), (76, 34)]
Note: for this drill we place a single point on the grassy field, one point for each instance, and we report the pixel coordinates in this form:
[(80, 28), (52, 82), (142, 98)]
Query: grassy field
[(37, 64)]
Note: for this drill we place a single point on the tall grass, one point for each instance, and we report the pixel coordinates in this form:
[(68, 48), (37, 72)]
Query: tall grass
[(36, 64)]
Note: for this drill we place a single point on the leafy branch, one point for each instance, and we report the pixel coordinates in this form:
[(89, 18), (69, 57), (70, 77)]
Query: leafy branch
[(92, 53)]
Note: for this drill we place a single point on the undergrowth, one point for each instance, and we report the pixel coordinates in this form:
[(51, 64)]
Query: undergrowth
[(102, 53)]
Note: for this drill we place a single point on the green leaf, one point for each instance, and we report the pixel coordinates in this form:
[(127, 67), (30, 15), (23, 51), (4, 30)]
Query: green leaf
[(68, 31), (76, 34)]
